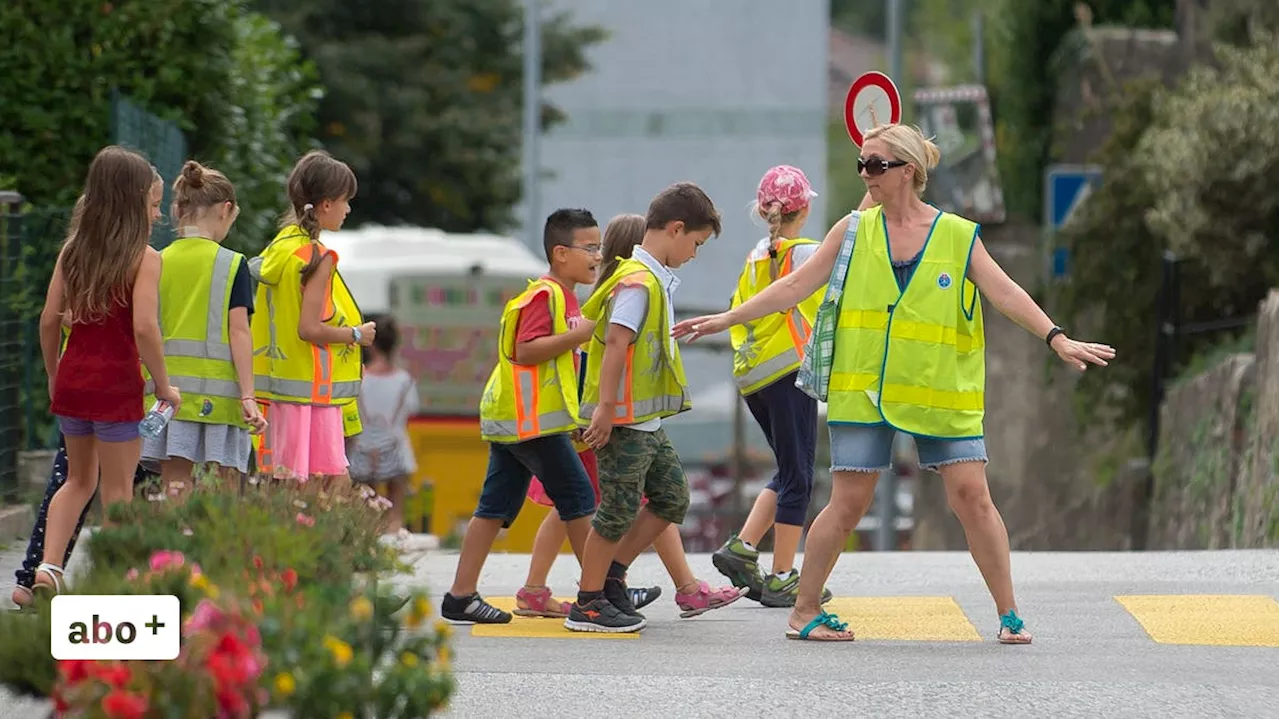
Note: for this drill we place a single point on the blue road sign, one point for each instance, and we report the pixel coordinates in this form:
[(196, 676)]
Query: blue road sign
[(1065, 188)]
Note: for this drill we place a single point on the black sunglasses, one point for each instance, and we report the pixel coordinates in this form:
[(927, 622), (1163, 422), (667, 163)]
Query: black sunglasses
[(876, 166)]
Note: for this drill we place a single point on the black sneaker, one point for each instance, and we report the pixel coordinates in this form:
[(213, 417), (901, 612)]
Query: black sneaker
[(472, 609), (642, 597), (601, 616), (615, 590)]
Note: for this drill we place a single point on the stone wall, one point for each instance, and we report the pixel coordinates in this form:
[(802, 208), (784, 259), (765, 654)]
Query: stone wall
[(1215, 473)]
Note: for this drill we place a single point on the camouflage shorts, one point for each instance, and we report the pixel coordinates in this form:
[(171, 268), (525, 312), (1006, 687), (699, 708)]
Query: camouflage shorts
[(636, 464)]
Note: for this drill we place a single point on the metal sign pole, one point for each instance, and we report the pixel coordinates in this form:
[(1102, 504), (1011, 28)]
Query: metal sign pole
[(532, 119)]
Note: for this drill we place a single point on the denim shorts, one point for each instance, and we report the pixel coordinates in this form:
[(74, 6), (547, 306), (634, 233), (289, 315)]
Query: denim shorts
[(869, 448), (555, 461), (102, 431)]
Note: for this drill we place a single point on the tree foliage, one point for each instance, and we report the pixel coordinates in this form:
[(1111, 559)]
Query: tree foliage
[(424, 101), (1193, 170), (227, 77), (1023, 42)]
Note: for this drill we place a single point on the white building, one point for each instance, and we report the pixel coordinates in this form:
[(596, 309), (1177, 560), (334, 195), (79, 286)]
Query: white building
[(711, 91)]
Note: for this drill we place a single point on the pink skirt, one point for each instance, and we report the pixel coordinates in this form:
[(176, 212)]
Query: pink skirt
[(301, 441), (538, 494)]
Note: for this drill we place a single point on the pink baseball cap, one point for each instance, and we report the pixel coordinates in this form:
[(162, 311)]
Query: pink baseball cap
[(786, 185)]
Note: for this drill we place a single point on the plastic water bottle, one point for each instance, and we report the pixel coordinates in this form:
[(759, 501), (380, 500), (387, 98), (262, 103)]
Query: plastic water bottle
[(160, 414)]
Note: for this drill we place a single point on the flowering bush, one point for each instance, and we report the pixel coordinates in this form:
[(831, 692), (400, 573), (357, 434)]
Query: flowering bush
[(280, 608)]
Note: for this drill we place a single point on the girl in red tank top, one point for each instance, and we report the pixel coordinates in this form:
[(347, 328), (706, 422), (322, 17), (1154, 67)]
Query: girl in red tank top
[(105, 287)]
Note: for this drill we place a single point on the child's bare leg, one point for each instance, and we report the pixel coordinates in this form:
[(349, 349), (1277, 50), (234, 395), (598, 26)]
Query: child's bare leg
[(396, 492), (546, 547), (670, 549), (69, 501), (177, 477), (761, 518)]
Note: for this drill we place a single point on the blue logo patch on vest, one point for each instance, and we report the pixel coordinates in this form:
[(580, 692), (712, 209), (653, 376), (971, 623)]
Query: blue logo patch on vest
[(944, 280), (206, 408)]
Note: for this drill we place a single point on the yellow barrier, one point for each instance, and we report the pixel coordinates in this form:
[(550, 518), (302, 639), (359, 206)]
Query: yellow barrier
[(452, 460)]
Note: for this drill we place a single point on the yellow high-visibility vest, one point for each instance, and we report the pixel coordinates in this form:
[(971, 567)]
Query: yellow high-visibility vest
[(653, 382), (522, 402), (912, 358), (195, 287), (287, 368), (771, 347)]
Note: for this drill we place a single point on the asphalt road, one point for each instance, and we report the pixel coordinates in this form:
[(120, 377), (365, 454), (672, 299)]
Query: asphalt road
[(1186, 634)]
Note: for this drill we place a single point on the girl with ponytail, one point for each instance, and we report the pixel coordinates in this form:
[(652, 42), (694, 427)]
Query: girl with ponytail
[(307, 329), (766, 358)]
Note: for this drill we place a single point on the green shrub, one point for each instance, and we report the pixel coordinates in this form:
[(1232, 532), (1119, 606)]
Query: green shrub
[(289, 571)]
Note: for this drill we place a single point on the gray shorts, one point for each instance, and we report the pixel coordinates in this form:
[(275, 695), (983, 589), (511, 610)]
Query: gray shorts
[(103, 431), (869, 448)]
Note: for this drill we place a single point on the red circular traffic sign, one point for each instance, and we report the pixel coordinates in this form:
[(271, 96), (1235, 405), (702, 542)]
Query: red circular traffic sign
[(864, 106)]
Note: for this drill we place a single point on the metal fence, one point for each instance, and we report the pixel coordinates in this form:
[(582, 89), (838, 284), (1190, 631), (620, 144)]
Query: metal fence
[(30, 239), (160, 140), (10, 343)]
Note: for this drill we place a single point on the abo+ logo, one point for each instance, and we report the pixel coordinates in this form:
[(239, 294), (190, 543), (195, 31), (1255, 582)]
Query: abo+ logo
[(112, 627)]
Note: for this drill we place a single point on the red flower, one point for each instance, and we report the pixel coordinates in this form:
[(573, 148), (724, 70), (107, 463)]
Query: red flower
[(305, 520), (114, 674), (74, 671), (231, 704), (257, 562), (258, 608), (60, 705), (123, 705), (290, 579)]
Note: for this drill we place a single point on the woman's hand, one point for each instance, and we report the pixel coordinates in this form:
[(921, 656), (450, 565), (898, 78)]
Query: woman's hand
[(252, 415), (1081, 354), (703, 326), (368, 331)]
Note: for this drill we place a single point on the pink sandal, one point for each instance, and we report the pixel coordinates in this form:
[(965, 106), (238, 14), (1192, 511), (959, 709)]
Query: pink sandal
[(538, 603), (706, 599)]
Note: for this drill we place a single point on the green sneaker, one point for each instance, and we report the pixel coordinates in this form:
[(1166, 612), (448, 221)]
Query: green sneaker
[(738, 563), (781, 590)]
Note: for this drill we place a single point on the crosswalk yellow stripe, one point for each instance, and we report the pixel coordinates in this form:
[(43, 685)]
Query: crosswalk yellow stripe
[(926, 619), (536, 627), (1228, 620)]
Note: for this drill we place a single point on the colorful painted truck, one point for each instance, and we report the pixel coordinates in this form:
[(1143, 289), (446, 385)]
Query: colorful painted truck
[(446, 292)]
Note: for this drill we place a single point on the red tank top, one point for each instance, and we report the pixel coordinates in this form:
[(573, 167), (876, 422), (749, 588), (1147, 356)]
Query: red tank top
[(99, 376)]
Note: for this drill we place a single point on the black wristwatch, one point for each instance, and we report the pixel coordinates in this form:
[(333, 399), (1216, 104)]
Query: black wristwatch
[(1048, 339)]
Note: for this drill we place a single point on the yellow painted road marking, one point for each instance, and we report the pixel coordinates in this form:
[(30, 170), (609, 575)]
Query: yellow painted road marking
[(935, 619), (1228, 620), (537, 627)]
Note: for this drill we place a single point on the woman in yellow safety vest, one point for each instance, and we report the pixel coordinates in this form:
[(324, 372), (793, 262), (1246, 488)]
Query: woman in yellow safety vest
[(206, 299), (307, 330), (906, 355), (766, 358)]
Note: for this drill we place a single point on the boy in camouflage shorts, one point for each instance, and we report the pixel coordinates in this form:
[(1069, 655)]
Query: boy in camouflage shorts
[(640, 380)]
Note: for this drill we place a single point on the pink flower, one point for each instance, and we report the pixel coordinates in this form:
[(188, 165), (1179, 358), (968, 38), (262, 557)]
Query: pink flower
[(205, 615), (305, 521), (132, 574), (165, 559)]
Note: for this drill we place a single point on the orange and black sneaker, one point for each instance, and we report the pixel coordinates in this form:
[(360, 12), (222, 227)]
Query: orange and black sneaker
[(599, 615)]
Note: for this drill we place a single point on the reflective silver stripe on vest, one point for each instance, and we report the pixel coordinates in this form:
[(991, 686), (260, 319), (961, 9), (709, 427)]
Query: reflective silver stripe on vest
[(302, 389), (672, 403), (200, 386), (212, 348), (765, 370), (508, 428)]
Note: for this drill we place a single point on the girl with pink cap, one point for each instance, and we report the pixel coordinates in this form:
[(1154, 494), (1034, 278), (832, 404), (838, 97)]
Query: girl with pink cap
[(766, 358)]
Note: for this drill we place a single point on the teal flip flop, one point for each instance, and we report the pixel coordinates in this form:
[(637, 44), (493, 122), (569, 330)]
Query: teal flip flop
[(824, 619), (1014, 624)]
